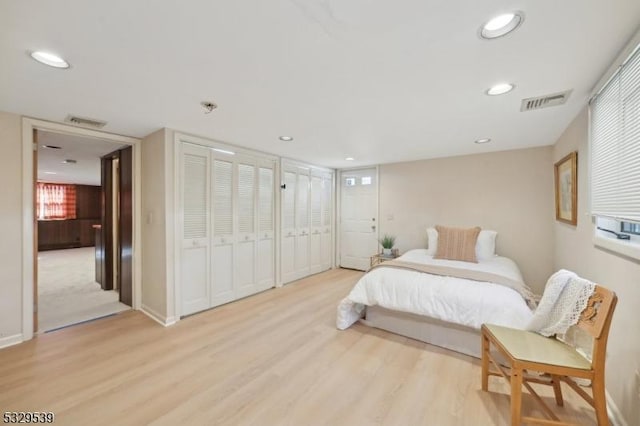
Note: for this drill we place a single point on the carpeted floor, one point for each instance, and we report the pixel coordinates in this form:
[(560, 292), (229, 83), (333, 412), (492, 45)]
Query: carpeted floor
[(67, 291)]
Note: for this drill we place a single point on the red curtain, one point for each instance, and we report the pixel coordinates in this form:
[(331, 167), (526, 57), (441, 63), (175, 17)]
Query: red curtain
[(56, 201)]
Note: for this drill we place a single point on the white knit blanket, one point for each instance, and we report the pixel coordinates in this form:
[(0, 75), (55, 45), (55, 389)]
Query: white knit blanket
[(565, 297)]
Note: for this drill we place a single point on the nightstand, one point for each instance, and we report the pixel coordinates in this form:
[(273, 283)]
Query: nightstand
[(377, 259)]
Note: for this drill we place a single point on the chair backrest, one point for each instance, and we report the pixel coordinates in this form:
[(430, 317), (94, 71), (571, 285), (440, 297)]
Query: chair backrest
[(595, 319)]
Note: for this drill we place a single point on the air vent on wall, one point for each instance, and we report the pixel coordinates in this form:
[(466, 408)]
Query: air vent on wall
[(86, 122), (545, 101)]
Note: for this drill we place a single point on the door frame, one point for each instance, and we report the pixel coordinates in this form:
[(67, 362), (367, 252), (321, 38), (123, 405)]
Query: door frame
[(338, 227), (29, 125)]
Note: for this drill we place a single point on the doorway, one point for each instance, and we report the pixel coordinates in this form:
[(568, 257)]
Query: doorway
[(82, 221), (358, 217)]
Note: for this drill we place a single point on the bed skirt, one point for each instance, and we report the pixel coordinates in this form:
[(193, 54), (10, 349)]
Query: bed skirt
[(447, 335)]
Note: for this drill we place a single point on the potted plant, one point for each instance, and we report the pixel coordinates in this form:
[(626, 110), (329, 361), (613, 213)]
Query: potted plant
[(387, 242)]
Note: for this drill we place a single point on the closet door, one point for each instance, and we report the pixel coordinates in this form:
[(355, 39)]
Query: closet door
[(327, 219), (266, 212), (196, 202), (288, 232), (302, 225), (245, 252), (315, 237), (223, 236)]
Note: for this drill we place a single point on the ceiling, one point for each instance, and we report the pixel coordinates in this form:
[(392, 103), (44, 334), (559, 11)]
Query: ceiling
[(86, 151), (376, 80)]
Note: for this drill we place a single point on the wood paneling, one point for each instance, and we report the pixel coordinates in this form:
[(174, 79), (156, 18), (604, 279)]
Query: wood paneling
[(61, 234), (126, 226)]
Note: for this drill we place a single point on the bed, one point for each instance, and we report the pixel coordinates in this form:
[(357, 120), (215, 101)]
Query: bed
[(442, 302)]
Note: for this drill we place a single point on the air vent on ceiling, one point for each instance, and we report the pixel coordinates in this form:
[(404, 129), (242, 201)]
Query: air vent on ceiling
[(545, 101), (86, 122)]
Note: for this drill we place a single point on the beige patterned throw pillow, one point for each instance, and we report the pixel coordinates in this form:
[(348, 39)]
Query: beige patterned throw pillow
[(457, 243)]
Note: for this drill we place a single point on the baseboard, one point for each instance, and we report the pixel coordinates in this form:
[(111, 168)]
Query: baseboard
[(160, 319), (10, 340), (615, 416)]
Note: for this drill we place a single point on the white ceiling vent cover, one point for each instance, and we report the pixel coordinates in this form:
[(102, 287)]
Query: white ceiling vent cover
[(555, 99), (85, 122)]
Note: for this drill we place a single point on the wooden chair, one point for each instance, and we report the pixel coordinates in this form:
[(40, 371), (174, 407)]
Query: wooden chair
[(525, 350)]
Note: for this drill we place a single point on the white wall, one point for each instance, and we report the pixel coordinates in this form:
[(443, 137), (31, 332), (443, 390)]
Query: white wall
[(157, 227), (508, 191), (575, 251), (11, 229), (153, 236)]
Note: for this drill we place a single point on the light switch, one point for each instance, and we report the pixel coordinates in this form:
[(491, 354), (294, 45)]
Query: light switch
[(150, 218)]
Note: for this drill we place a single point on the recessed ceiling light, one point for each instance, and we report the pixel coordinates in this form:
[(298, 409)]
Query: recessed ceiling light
[(51, 146), (501, 25), (224, 151), (483, 140), (286, 138), (349, 158), (500, 89), (49, 59), (50, 173)]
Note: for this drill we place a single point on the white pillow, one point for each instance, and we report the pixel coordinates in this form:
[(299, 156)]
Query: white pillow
[(485, 245), (432, 241)]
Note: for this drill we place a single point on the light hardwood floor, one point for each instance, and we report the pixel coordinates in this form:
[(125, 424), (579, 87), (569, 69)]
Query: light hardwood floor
[(272, 359)]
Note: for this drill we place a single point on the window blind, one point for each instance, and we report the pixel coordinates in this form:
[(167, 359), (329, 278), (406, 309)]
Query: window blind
[(615, 145)]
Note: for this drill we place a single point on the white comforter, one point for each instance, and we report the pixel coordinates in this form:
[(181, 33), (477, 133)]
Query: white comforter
[(461, 301)]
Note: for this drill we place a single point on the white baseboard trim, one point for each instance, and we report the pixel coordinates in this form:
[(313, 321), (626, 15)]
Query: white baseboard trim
[(614, 413), (160, 319), (10, 340)]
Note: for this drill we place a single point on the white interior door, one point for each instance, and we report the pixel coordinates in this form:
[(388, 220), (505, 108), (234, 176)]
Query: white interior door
[(195, 173), (223, 235), (358, 218), (266, 212), (302, 225), (327, 219), (315, 237), (287, 246), (245, 253)]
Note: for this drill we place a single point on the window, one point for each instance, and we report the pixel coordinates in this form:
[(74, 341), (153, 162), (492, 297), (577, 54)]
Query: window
[(55, 201), (350, 181), (366, 180), (630, 228), (615, 156)]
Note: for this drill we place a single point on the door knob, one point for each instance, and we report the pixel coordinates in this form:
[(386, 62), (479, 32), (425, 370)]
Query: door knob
[(373, 227)]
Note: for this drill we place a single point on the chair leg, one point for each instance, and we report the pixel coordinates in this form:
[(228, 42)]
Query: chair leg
[(485, 362), (599, 399), (557, 390), (516, 396)]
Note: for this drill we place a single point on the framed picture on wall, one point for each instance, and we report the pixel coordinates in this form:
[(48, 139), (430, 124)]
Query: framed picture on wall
[(566, 182)]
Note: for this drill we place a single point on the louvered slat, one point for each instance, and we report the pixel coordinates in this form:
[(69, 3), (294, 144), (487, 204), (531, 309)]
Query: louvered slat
[(289, 201), (302, 205), (316, 201), (222, 198), (246, 198), (265, 199), (326, 201), (195, 196)]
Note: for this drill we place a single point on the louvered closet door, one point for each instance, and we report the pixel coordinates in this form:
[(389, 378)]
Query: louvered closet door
[(302, 225), (315, 237), (245, 253), (288, 211), (327, 219), (266, 211), (223, 236), (195, 172)]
